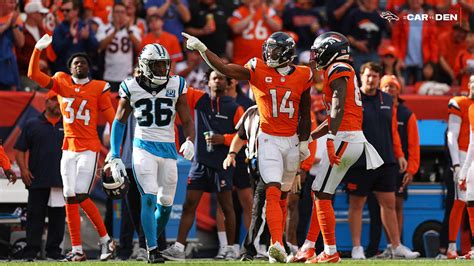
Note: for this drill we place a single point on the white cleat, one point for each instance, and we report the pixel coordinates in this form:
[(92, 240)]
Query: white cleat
[(402, 252), (173, 253), (277, 253), (358, 253)]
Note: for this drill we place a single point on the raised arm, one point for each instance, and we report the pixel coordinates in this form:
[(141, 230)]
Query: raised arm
[(34, 71), (234, 71)]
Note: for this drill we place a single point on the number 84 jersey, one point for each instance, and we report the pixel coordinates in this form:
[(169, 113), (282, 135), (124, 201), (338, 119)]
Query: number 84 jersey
[(352, 119), (155, 111)]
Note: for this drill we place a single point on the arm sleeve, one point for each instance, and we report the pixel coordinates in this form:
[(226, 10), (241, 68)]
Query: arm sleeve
[(469, 157), (413, 146), (4, 160), (106, 106), (397, 144), (116, 137), (454, 126), (34, 71)]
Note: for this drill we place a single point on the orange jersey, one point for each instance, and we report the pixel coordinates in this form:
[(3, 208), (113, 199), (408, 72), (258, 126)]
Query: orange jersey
[(352, 119), (249, 43), (100, 8), (278, 97), (80, 106), (459, 106)]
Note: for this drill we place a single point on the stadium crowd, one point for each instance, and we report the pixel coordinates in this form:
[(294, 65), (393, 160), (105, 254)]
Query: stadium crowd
[(397, 57)]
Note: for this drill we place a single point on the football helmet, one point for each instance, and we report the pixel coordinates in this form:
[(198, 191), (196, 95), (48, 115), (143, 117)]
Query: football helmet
[(154, 63), (115, 189), (327, 48), (278, 49)]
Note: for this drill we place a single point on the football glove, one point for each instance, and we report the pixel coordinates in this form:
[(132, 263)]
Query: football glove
[(44, 42), (333, 158), (117, 169), (456, 173), (193, 43), (187, 149), (304, 150)]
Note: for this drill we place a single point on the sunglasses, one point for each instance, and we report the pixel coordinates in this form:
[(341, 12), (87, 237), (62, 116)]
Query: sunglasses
[(65, 10)]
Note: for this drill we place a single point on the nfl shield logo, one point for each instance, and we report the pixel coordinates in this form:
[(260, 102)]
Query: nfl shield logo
[(170, 93)]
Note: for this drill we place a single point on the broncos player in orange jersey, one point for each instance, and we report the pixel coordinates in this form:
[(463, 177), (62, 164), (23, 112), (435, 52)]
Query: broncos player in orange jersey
[(345, 139), (281, 91), (81, 99)]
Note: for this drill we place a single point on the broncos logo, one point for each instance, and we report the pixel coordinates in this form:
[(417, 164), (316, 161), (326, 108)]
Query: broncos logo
[(389, 16)]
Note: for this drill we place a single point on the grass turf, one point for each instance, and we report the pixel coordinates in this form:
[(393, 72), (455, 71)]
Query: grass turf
[(214, 262)]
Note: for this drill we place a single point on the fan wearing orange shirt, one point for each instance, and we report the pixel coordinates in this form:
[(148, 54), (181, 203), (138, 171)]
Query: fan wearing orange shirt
[(99, 8), (281, 91), (251, 25), (345, 139), (464, 65), (81, 99), (160, 36)]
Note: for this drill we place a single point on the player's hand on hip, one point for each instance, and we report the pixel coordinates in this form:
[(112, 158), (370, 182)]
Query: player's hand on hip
[(403, 164), (193, 43), (333, 158), (44, 42), (187, 149), (229, 161), (117, 168), (304, 150)]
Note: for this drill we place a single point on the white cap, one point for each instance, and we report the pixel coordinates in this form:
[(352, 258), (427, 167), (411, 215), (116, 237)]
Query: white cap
[(35, 6)]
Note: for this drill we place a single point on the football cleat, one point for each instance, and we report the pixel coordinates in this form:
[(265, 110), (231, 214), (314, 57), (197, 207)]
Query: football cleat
[(302, 256), (325, 258)]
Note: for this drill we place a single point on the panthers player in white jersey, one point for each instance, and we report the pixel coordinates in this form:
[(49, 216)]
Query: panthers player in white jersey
[(154, 97)]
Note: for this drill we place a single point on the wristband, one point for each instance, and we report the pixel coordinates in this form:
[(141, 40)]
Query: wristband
[(232, 152)]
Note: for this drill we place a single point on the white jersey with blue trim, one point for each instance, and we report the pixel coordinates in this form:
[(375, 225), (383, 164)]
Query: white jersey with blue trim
[(154, 111)]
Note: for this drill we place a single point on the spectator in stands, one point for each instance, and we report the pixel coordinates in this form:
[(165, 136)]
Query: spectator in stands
[(364, 27), (450, 43), (429, 85), (99, 8), (175, 13), (408, 131), (416, 41), (336, 10), (301, 18), (133, 7), (464, 65), (158, 35), (11, 36), (209, 23), (251, 25), (215, 120), (71, 36), (6, 165), (118, 41), (391, 65), (38, 156), (381, 130), (33, 30)]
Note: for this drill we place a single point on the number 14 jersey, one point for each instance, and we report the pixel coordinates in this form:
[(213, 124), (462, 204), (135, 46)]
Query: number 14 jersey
[(277, 96)]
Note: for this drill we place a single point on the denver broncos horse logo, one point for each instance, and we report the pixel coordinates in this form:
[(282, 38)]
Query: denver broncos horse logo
[(389, 16)]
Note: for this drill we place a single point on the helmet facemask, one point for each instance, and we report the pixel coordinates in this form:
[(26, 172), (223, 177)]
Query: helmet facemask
[(276, 54), (157, 71)]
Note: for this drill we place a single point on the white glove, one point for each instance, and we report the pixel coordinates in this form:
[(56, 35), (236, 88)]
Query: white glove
[(456, 173), (187, 149), (193, 43), (117, 168), (304, 150), (44, 42)]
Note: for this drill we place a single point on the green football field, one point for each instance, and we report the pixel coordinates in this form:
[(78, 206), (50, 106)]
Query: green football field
[(214, 262)]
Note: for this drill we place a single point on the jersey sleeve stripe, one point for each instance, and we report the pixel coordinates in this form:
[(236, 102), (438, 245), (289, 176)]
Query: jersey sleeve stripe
[(106, 87), (181, 85), (339, 69), (125, 88)]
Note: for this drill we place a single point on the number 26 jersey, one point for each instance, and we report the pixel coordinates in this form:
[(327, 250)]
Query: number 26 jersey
[(277, 96)]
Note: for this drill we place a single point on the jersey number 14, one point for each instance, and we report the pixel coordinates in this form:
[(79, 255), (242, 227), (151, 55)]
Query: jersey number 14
[(286, 106)]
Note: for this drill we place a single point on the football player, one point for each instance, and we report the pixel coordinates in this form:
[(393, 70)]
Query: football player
[(81, 99), (281, 91), (155, 97), (458, 142), (345, 139)]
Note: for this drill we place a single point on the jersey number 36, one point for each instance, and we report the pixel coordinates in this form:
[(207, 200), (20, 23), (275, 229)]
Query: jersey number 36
[(157, 111)]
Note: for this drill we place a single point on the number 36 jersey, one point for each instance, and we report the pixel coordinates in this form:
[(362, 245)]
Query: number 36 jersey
[(277, 96), (155, 112)]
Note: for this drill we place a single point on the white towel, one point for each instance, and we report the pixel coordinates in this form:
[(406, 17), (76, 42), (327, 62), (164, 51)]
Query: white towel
[(373, 159), (56, 198)]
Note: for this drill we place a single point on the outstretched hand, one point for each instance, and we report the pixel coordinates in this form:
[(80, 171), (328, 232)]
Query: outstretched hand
[(193, 43), (44, 42)]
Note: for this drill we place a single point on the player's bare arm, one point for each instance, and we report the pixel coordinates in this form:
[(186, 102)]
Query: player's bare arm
[(234, 71), (184, 114), (304, 125), (235, 146), (338, 87)]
